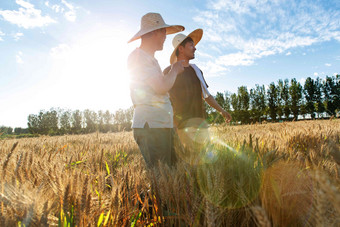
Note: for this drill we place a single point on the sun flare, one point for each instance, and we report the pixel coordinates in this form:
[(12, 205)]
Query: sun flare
[(92, 70)]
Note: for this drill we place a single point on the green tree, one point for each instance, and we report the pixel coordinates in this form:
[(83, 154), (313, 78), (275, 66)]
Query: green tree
[(330, 92), (65, 122), (280, 101), (33, 123), (337, 92), (286, 99), (108, 121), (20, 130), (90, 121), (257, 102), (303, 109), (123, 119), (76, 121), (6, 130), (243, 98), (236, 107), (272, 101), (222, 102), (319, 106), (101, 121), (309, 91), (51, 119), (295, 92)]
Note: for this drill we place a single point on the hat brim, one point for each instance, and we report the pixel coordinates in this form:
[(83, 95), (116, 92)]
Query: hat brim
[(196, 36), (170, 29)]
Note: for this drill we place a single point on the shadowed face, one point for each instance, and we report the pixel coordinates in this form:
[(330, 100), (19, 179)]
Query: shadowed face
[(188, 50), (159, 38)]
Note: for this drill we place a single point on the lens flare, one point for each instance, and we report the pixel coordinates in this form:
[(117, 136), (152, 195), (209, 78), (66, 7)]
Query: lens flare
[(229, 178)]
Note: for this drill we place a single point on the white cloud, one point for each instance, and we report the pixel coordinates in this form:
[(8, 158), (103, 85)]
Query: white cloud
[(210, 69), (235, 59), (17, 36), (1, 34), (316, 74), (57, 8), (202, 54), (19, 58), (60, 51), (334, 74), (27, 16), (66, 8), (253, 29), (71, 14), (328, 64)]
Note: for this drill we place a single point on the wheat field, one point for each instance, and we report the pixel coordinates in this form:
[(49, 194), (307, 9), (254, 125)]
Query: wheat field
[(281, 174)]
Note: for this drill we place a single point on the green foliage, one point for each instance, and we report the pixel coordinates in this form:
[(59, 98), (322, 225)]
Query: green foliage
[(295, 91), (272, 94), (114, 161), (237, 180), (278, 100), (331, 89), (319, 106), (243, 98), (66, 219), (60, 122), (257, 103), (310, 96)]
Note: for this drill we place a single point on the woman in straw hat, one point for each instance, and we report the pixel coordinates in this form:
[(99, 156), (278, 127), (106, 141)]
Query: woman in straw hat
[(153, 115)]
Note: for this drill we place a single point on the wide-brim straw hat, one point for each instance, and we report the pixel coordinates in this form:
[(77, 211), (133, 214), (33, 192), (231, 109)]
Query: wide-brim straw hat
[(153, 21), (196, 36)]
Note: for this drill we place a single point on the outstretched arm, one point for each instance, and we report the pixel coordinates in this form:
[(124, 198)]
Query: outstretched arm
[(213, 103)]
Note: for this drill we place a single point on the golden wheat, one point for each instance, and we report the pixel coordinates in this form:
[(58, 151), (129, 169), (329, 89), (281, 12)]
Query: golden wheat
[(103, 177)]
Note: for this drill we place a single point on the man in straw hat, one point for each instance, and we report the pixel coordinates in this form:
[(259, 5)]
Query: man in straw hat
[(190, 90), (153, 115)]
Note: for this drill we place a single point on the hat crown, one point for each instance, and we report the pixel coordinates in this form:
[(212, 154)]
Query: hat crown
[(178, 39), (151, 20)]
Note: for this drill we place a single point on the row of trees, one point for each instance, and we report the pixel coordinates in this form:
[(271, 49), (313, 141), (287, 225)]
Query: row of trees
[(59, 121), (282, 101), (10, 131)]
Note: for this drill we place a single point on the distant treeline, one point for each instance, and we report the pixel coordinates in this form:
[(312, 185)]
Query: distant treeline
[(10, 131), (58, 121), (286, 100)]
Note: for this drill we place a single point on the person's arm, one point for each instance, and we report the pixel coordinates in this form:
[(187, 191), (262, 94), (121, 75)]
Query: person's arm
[(213, 103), (162, 84)]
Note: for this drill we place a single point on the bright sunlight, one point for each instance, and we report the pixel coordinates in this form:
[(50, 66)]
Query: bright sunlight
[(91, 71)]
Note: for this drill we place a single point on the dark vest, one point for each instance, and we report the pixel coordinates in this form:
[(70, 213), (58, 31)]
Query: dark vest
[(186, 97)]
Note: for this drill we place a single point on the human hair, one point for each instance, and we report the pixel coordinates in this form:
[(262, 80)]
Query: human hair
[(185, 41)]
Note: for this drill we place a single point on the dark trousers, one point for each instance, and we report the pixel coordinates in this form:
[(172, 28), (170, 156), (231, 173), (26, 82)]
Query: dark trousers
[(156, 144)]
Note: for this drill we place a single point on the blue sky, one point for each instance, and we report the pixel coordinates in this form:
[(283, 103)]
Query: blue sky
[(72, 54)]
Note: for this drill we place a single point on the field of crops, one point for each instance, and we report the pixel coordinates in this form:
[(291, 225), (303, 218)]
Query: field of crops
[(282, 174)]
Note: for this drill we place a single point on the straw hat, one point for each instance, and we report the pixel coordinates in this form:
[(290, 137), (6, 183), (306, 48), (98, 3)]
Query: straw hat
[(179, 38), (153, 21)]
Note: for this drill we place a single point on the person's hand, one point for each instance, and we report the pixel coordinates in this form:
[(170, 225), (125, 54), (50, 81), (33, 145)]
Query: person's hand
[(178, 66), (226, 116)]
